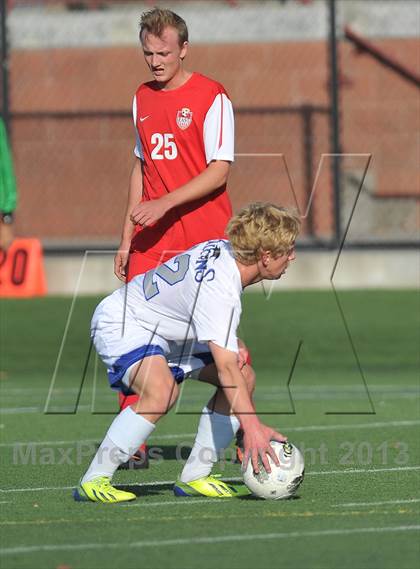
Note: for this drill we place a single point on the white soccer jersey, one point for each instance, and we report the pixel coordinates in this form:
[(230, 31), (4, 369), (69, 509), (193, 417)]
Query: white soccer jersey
[(193, 296)]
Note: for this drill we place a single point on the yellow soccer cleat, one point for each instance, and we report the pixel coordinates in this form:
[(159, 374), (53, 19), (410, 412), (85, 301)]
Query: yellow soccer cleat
[(100, 490), (210, 486)]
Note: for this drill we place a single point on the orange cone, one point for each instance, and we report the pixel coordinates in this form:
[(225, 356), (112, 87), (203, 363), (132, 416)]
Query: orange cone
[(22, 270)]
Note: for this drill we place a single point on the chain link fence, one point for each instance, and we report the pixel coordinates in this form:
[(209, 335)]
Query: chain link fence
[(73, 67), (379, 92)]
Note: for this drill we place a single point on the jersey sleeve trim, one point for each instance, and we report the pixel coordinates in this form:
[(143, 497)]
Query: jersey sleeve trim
[(138, 149)]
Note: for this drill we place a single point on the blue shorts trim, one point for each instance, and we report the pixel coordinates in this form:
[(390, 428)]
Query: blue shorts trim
[(179, 374), (117, 370)]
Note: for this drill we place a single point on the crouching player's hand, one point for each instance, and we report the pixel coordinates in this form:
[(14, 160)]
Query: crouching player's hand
[(257, 446), (257, 436)]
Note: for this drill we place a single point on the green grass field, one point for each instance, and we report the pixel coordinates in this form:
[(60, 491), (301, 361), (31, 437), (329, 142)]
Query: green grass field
[(357, 508)]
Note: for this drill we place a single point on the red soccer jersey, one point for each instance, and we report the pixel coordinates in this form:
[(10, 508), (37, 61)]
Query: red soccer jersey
[(178, 133)]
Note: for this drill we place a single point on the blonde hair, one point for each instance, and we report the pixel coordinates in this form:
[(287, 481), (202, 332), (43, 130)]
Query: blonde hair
[(156, 20), (262, 227)]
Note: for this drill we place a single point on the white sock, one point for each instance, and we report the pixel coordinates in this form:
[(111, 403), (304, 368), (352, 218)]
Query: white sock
[(215, 433), (127, 432)]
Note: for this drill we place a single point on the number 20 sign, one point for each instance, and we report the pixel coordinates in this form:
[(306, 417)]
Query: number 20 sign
[(22, 270)]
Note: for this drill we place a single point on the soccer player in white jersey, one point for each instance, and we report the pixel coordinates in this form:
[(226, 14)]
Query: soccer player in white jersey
[(180, 320)]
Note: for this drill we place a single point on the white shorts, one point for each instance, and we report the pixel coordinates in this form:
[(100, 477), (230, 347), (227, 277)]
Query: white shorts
[(123, 344)]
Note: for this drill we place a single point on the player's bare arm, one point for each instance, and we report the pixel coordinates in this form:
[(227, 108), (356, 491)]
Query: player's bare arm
[(135, 192), (257, 436), (213, 177)]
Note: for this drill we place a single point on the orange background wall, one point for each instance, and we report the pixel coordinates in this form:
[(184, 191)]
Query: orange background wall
[(72, 172)]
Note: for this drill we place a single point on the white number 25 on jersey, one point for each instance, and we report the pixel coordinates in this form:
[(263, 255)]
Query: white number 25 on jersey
[(164, 146)]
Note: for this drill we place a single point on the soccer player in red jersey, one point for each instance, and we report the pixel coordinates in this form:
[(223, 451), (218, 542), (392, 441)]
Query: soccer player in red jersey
[(184, 146)]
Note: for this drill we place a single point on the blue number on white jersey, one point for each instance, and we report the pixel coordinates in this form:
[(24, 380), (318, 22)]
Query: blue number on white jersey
[(170, 276)]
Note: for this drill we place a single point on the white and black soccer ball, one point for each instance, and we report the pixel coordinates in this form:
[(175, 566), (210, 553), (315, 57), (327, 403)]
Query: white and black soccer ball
[(283, 481)]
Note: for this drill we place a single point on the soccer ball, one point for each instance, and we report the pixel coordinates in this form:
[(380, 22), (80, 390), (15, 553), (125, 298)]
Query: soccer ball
[(283, 481)]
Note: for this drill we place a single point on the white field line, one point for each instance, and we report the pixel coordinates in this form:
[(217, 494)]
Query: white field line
[(47, 488), (18, 410), (228, 478), (212, 501), (179, 501), (385, 503), (378, 425), (204, 540), (9, 391), (299, 393), (260, 398), (321, 392), (40, 410), (49, 443), (362, 470)]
